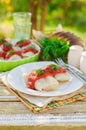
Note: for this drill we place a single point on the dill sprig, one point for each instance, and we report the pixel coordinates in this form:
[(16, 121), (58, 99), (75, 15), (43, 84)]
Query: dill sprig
[(53, 48)]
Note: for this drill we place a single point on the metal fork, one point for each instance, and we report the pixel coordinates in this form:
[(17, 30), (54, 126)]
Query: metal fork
[(74, 70)]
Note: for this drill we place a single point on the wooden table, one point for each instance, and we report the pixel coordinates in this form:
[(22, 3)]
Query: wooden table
[(15, 116)]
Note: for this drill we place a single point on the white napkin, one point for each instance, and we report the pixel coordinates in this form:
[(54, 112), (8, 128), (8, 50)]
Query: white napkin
[(38, 100)]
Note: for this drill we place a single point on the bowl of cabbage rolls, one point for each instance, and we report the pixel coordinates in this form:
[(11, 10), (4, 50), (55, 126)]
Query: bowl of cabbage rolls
[(17, 52)]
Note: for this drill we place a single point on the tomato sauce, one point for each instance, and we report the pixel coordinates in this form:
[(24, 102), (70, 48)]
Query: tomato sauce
[(30, 50), (48, 71), (54, 71)]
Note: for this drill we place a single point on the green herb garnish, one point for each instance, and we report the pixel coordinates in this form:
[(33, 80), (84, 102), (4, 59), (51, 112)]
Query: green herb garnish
[(11, 52), (20, 42), (54, 67), (39, 71)]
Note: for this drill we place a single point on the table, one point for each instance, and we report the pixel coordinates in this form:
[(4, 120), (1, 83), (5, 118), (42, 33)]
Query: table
[(15, 116)]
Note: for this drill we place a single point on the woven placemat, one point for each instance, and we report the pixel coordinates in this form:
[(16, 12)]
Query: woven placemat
[(51, 105)]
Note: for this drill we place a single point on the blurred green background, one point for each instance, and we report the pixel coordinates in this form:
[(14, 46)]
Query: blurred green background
[(47, 14)]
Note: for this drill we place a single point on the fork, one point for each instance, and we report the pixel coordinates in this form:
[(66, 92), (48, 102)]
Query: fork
[(74, 70)]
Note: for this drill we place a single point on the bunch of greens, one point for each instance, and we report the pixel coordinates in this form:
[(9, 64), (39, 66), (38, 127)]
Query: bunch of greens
[(53, 48)]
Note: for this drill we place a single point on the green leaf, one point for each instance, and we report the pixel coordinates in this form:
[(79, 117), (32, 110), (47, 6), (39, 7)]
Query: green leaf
[(39, 71), (11, 52), (54, 67)]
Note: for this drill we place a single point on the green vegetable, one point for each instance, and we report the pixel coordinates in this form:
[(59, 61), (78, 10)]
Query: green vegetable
[(20, 42), (11, 52), (39, 71), (54, 67), (53, 48)]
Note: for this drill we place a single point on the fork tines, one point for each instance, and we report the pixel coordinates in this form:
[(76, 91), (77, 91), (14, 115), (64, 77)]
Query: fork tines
[(72, 69)]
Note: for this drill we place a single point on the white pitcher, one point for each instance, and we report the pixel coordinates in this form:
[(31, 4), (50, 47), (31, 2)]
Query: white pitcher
[(83, 62), (74, 55)]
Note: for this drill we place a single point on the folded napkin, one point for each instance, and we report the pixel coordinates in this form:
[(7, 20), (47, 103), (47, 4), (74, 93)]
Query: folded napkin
[(44, 101), (38, 103)]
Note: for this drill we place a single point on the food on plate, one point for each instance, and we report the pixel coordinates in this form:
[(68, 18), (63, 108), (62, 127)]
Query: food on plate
[(59, 73), (62, 77), (48, 83), (21, 49), (46, 79)]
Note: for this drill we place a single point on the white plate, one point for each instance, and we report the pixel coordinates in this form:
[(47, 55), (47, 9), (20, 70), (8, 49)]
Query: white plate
[(16, 80)]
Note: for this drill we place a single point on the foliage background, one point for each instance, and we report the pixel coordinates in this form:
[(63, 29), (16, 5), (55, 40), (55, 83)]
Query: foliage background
[(70, 13)]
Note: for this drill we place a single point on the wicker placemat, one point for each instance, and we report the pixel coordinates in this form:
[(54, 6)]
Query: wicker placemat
[(51, 105), (54, 104)]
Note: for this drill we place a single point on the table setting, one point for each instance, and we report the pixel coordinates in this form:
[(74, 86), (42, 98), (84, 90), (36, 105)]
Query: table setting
[(42, 78), (22, 55), (41, 101)]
